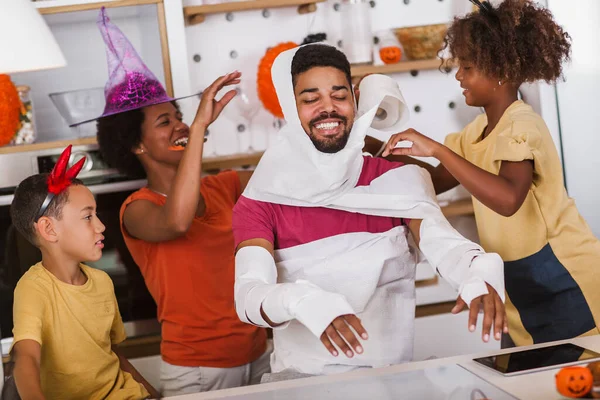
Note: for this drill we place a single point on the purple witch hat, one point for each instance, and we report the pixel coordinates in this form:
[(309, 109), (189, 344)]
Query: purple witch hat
[(131, 85)]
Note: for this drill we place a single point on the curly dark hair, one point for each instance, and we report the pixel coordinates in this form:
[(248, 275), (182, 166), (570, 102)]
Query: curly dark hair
[(517, 41), (118, 135), (319, 55), (29, 196)]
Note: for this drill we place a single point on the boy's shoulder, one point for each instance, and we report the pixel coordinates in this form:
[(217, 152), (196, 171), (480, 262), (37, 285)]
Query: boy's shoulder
[(35, 277)]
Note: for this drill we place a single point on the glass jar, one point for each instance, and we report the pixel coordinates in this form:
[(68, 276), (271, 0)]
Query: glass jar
[(26, 133), (357, 36)]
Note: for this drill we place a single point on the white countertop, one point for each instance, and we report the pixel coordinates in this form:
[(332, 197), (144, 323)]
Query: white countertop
[(368, 382)]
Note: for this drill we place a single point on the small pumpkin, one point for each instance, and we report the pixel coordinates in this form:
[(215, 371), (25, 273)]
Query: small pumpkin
[(390, 54), (574, 381), (264, 82)]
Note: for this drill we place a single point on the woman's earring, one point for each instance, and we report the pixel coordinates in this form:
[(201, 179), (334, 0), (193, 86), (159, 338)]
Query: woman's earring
[(499, 83)]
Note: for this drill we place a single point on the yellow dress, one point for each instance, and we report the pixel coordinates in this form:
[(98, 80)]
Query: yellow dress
[(551, 256)]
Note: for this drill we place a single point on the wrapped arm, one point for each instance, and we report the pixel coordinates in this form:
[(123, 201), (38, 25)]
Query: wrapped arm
[(256, 288), (462, 263)]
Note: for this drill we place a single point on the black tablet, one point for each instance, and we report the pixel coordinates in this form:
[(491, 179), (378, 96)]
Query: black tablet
[(542, 358)]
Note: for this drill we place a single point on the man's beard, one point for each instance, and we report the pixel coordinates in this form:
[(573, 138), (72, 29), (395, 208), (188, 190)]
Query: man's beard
[(333, 144)]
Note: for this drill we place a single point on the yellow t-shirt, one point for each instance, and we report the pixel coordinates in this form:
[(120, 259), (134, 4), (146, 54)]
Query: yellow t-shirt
[(76, 327), (545, 236)]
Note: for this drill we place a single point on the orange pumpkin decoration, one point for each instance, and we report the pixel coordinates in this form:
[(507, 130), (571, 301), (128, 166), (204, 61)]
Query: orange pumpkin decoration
[(390, 54), (10, 110), (574, 381), (264, 81)]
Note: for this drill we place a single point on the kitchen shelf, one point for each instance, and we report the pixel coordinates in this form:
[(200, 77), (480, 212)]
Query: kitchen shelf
[(208, 163), (403, 66), (64, 6), (458, 208), (197, 14), (230, 161), (22, 148), (453, 209)]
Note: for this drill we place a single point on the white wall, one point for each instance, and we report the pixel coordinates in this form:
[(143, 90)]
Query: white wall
[(578, 104)]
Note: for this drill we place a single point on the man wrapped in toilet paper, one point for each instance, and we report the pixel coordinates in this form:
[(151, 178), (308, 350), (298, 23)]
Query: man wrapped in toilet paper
[(321, 231)]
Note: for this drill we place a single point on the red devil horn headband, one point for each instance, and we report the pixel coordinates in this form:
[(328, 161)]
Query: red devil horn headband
[(60, 178)]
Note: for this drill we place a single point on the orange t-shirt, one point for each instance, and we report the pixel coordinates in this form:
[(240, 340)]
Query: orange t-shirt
[(191, 279)]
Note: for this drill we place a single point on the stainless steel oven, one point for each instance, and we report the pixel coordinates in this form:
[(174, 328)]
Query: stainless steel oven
[(110, 189)]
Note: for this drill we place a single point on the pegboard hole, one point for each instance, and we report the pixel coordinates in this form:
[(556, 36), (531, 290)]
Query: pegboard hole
[(417, 109), (197, 58), (414, 72)]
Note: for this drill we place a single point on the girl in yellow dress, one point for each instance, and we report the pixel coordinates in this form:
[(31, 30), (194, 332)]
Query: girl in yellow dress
[(508, 162)]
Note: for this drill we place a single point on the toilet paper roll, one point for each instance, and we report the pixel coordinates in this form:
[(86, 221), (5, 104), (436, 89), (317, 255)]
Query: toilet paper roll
[(392, 111)]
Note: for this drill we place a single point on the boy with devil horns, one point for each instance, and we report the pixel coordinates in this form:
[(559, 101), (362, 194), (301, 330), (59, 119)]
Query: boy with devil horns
[(66, 319)]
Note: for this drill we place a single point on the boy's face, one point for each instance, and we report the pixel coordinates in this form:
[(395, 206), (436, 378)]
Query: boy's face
[(79, 231), (325, 105)]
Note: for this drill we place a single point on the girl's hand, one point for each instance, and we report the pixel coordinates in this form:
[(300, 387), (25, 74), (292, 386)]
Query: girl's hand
[(209, 108), (422, 146)]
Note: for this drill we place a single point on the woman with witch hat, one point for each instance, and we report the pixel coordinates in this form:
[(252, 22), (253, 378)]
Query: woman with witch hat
[(178, 227)]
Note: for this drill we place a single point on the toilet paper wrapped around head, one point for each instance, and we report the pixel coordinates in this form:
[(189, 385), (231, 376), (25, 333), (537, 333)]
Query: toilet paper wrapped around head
[(392, 114), (293, 171)]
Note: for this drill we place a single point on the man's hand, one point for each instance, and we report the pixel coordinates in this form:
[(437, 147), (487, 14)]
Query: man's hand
[(345, 339), (493, 312), (422, 146)]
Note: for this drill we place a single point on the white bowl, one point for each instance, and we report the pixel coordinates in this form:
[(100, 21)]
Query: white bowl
[(79, 105)]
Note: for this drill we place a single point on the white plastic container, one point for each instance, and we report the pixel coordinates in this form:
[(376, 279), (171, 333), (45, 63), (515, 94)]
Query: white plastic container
[(357, 35)]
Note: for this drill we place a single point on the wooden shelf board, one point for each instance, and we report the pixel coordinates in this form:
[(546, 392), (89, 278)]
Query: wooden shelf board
[(22, 148), (403, 66), (230, 161), (196, 14), (64, 6), (453, 209), (208, 164)]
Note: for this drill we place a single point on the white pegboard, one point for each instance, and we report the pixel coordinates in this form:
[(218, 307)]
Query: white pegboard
[(249, 34)]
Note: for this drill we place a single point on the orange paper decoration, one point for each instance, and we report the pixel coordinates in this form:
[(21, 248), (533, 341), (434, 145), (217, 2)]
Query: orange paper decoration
[(574, 381), (10, 110), (264, 82)]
